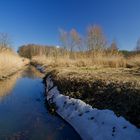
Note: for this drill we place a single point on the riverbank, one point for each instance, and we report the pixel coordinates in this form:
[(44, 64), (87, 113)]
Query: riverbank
[(100, 123), (107, 88), (111, 94)]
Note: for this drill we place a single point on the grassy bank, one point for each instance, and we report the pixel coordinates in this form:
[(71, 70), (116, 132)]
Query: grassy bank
[(10, 62), (117, 90), (101, 59)]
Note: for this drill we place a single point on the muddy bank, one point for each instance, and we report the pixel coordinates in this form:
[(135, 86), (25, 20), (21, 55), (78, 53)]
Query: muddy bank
[(122, 97)]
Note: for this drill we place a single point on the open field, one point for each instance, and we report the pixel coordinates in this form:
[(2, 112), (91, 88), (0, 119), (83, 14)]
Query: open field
[(110, 60)]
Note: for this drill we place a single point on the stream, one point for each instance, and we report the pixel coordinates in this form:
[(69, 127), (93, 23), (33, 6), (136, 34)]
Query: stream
[(23, 113)]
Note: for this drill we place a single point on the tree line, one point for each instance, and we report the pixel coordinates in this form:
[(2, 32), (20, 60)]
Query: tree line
[(31, 50)]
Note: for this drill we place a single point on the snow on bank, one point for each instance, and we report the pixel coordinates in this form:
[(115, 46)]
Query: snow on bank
[(40, 68), (91, 124)]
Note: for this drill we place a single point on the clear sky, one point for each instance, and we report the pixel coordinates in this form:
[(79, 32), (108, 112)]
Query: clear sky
[(38, 21)]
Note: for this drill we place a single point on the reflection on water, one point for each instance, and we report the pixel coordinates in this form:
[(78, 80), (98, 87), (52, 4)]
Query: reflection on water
[(32, 73), (23, 115), (7, 85)]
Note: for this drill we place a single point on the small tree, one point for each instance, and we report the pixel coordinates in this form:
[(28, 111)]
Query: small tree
[(71, 41), (113, 47), (76, 40), (95, 39), (5, 43)]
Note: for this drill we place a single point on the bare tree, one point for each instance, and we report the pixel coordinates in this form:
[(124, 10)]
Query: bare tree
[(64, 38), (4, 41), (96, 40), (76, 40)]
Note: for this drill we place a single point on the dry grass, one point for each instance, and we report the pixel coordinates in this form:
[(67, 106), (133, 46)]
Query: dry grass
[(111, 59), (98, 60), (85, 60), (134, 61), (10, 63)]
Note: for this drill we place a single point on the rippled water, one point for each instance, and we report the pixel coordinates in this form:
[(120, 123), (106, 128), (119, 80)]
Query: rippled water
[(23, 115)]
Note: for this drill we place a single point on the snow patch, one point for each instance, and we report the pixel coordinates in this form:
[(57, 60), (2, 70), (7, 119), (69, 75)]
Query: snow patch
[(90, 123), (40, 68)]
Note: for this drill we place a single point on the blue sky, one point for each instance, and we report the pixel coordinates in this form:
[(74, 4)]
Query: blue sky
[(38, 21)]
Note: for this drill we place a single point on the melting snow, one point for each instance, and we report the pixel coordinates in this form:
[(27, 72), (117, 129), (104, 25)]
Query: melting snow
[(91, 123)]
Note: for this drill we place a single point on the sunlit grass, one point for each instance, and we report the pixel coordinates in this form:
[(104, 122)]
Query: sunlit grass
[(134, 60), (83, 60)]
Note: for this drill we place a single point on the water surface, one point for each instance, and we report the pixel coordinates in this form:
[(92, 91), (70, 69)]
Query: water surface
[(23, 115)]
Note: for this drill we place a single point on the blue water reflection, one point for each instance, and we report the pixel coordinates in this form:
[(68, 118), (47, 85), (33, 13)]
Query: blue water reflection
[(23, 115)]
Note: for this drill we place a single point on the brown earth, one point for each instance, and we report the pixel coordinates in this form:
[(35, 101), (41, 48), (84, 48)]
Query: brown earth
[(102, 88)]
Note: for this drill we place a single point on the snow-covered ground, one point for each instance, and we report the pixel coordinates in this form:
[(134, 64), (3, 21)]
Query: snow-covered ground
[(90, 123)]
